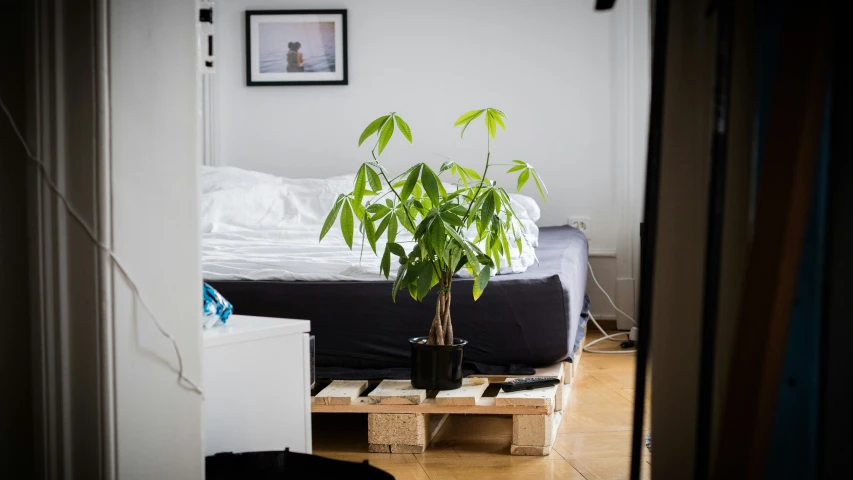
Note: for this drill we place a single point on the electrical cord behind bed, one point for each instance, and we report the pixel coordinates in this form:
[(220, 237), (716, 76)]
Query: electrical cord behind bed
[(611, 337)]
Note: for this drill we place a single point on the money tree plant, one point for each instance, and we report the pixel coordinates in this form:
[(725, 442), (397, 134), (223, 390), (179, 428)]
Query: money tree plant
[(442, 240)]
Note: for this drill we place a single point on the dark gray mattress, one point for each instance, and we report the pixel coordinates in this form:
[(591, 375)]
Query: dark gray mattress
[(529, 318)]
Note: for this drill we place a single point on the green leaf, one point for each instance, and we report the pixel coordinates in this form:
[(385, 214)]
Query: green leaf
[(471, 173), (455, 258), (413, 272), (372, 128), (470, 118), (496, 255), (456, 209), (424, 281), (522, 179), (520, 162), (467, 117), (488, 207), (404, 220), (465, 245), (358, 209), (516, 168), (392, 227), (437, 235), (385, 135), (385, 264), (452, 219), (540, 185), (370, 231), (430, 183), (347, 225), (397, 249), (481, 281), (498, 116), (404, 128), (490, 124), (378, 211), (360, 184), (398, 282), (373, 178), (497, 197), (410, 183), (382, 225), (447, 165), (422, 229), (505, 244), (333, 215), (518, 244)]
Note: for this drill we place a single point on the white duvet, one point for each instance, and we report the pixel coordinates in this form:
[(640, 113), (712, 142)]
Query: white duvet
[(257, 226)]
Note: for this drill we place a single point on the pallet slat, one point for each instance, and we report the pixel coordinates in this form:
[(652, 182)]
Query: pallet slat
[(341, 392), (471, 391), (397, 392), (484, 406), (538, 397)]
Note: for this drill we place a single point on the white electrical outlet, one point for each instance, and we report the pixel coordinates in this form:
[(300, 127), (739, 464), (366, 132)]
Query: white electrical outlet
[(582, 224)]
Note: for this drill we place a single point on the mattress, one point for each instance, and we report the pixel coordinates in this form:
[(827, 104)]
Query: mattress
[(529, 318)]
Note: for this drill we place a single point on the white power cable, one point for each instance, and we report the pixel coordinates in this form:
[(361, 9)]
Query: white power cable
[(608, 296), (44, 175), (606, 335)]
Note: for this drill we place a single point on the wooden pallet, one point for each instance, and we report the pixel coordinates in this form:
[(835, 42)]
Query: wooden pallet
[(403, 419)]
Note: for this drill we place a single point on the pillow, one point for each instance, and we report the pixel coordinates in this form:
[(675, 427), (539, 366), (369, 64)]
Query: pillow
[(234, 199)]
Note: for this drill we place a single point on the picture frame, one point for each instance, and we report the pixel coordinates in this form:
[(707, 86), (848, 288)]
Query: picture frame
[(296, 47)]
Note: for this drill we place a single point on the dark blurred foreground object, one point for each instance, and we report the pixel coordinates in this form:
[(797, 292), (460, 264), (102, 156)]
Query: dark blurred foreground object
[(604, 4), (286, 465)]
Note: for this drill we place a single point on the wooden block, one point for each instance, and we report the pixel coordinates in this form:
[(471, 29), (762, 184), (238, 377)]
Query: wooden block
[(378, 448), (397, 428), (471, 391), (532, 430), (529, 450), (539, 396), (570, 370), (397, 392), (527, 427), (565, 391), (397, 448), (340, 392), (558, 399)]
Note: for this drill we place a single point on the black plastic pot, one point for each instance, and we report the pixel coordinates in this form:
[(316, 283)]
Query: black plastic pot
[(436, 367)]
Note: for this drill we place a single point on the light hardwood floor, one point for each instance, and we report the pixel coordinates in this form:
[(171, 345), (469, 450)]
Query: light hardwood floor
[(594, 440)]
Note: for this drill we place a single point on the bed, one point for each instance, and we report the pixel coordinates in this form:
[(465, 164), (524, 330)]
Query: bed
[(532, 317)]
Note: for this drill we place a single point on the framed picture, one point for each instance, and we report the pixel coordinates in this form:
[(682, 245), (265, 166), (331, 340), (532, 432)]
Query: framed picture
[(296, 47)]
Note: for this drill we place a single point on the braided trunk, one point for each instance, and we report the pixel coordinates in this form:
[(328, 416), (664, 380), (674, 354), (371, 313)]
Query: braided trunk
[(441, 330)]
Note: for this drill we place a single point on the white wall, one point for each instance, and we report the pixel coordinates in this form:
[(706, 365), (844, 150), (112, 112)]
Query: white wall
[(154, 119), (547, 64)]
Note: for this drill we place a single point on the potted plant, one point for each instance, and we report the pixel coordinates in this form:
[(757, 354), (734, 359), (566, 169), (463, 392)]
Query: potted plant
[(438, 219)]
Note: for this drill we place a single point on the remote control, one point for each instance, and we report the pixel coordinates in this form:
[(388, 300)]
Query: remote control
[(528, 383)]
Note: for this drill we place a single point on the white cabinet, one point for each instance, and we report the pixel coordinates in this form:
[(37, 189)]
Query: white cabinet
[(257, 385)]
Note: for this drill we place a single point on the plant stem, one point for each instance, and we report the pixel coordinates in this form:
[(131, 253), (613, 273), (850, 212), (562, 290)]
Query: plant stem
[(483, 178)]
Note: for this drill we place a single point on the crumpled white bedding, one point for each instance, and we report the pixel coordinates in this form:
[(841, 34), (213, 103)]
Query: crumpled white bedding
[(257, 226)]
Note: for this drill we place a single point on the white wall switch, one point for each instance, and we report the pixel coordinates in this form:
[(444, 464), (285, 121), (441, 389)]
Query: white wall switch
[(582, 224)]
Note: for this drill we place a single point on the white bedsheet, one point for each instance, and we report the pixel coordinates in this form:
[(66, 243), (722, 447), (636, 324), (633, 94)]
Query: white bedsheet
[(262, 227)]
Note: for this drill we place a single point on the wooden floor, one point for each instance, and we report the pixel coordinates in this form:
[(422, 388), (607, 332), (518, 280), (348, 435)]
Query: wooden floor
[(594, 440)]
